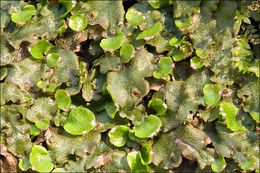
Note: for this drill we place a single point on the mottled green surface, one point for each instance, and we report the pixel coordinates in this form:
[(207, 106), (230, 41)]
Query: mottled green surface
[(121, 86)]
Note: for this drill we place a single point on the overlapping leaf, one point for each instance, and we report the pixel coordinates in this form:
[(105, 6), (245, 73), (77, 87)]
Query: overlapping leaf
[(121, 86)]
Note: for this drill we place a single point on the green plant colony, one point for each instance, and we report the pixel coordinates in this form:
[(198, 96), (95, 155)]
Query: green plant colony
[(152, 86)]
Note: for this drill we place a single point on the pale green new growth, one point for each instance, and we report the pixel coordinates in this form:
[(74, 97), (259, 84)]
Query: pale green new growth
[(38, 50), (69, 6), (173, 41), (113, 43), (183, 23), (239, 19), (158, 3), (46, 87), (80, 121), (178, 56), (111, 109), (248, 165), (200, 53), (34, 130), (24, 163), (78, 22), (25, 14), (157, 105), (53, 59), (149, 127), (62, 26), (134, 160), (126, 52), (44, 124), (3, 72), (256, 116), (40, 160), (229, 112), (211, 94), (129, 86), (118, 135), (150, 32), (219, 164), (51, 87), (146, 153), (62, 99), (40, 84), (59, 170), (133, 17), (196, 63), (165, 67)]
